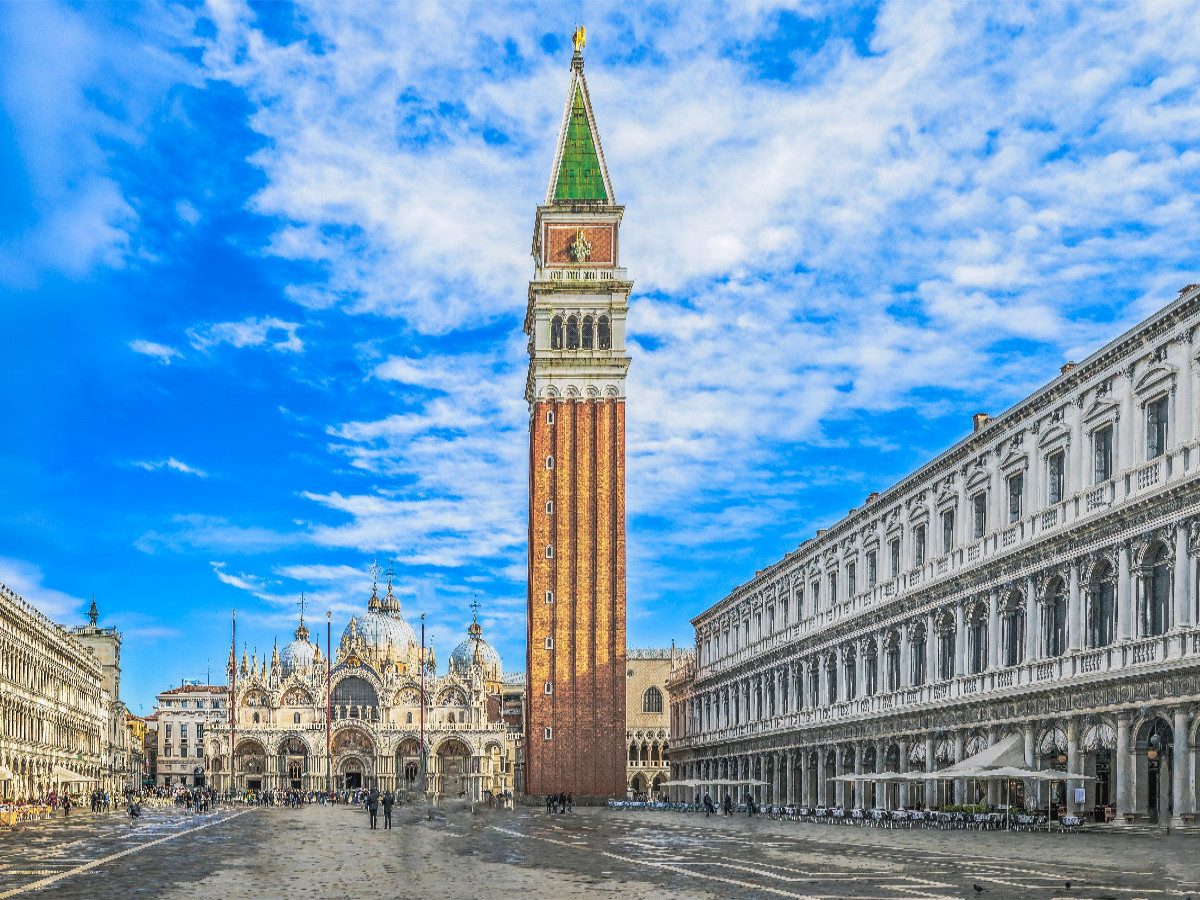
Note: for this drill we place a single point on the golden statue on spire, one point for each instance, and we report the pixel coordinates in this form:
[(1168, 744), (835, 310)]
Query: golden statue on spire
[(579, 38)]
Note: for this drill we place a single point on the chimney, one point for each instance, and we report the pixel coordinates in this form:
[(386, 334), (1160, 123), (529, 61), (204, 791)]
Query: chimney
[(1067, 367), (979, 420)]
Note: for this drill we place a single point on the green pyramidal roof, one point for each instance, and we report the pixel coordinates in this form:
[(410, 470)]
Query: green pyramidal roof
[(579, 175)]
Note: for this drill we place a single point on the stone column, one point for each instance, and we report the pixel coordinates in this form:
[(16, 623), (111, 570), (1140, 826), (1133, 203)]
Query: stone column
[(859, 792), (1072, 762), (993, 660), (903, 768), (1124, 761), (881, 794), (1182, 576), (1074, 610), (1126, 611), (905, 657), (1033, 621), (805, 780), (960, 640), (960, 785), (821, 776), (1027, 732), (930, 768), (860, 670), (1182, 786), (930, 649), (789, 787), (839, 769)]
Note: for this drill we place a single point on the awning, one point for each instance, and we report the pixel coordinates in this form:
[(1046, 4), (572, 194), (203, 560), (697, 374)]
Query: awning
[(63, 774), (1009, 752), (6, 775)]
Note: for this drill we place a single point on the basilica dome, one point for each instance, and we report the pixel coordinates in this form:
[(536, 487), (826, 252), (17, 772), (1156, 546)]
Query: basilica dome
[(475, 650), (300, 654), (380, 626)]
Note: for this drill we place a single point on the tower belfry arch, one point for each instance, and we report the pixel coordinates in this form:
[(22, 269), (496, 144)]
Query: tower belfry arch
[(575, 319)]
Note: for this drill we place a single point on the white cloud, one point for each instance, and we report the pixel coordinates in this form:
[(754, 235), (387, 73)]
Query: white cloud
[(171, 463), (269, 332), (161, 352), (26, 580)]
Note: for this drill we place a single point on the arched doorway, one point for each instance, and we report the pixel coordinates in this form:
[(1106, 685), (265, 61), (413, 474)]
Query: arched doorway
[(408, 763), (353, 772), (293, 762), (1153, 768), (453, 768), (250, 765), (354, 755)]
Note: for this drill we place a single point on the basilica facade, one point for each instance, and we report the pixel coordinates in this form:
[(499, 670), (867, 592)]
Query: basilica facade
[(1036, 585), (309, 721)]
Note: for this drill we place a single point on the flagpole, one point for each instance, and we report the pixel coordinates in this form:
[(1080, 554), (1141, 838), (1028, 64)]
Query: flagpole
[(233, 705), (328, 701), (424, 781)]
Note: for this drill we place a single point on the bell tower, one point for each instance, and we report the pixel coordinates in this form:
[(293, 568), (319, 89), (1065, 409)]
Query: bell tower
[(575, 320)]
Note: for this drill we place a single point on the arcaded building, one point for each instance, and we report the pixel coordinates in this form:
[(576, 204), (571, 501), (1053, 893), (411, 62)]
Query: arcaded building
[(647, 722), (1035, 584), (575, 320)]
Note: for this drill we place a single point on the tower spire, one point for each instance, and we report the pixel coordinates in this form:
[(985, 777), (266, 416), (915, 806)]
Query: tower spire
[(579, 172)]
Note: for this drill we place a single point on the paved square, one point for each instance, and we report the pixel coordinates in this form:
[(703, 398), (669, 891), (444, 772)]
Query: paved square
[(328, 852)]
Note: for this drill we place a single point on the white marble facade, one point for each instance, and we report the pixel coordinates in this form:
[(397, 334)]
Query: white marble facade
[(1039, 577)]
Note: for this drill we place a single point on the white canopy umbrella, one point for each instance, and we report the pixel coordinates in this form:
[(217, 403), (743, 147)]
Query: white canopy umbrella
[(63, 774), (6, 774)]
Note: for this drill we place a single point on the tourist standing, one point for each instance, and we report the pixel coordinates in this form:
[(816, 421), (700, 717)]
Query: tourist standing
[(373, 806), (388, 802)]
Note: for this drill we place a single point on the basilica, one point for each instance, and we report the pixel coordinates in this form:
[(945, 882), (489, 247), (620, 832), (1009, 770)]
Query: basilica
[(372, 711)]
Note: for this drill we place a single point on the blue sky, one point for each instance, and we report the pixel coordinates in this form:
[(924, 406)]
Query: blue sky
[(264, 268)]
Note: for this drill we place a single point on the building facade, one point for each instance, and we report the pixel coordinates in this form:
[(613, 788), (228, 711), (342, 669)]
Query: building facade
[(376, 714), (578, 300), (1038, 579), (53, 710), (117, 770), (647, 722), (184, 717)]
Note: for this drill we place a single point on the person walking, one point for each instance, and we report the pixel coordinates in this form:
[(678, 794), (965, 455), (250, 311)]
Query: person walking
[(709, 809), (727, 807), (388, 802), (373, 806)]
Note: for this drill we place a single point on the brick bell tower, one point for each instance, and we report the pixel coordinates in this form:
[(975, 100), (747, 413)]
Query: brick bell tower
[(578, 300)]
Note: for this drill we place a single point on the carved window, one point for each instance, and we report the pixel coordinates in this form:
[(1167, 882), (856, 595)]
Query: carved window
[(831, 678), (295, 718), (587, 335), (603, 335), (549, 417), (1056, 477), (1016, 488), (1102, 453), (652, 701), (895, 551), (946, 648), (850, 586), (833, 586), (851, 676), (572, 333), (919, 546), (979, 515), (1102, 607), (917, 656), (1012, 634), (1156, 617), (977, 646), (556, 333), (948, 531), (1054, 631), (893, 668), (872, 569), (872, 674), (1156, 427)]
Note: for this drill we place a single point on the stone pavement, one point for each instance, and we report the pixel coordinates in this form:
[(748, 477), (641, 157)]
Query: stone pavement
[(329, 852)]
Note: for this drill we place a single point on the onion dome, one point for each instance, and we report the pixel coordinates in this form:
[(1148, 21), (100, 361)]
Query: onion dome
[(475, 651), (300, 654), (378, 627)]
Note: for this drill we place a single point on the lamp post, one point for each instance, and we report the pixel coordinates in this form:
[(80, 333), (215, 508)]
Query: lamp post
[(519, 771)]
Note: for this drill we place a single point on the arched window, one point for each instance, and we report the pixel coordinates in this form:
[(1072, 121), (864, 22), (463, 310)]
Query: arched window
[(1012, 630), (587, 333), (851, 676), (892, 655), (556, 333), (831, 675), (916, 655), (1156, 616), (1054, 618), (1101, 607), (408, 718), (354, 692), (603, 336), (572, 333), (652, 700), (256, 718), (946, 648), (977, 640), (295, 718)]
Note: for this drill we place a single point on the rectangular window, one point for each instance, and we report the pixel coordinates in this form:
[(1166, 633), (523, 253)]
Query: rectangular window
[(919, 546), (216, 704), (549, 596), (851, 587), (816, 595), (549, 687), (168, 727), (183, 731), (948, 531), (1056, 477), (979, 514), (200, 732), (833, 594), (1016, 486), (1102, 450), (872, 569), (167, 750), (549, 507), (549, 417), (549, 643), (549, 733), (1156, 427), (183, 704), (183, 748), (549, 462), (895, 547)]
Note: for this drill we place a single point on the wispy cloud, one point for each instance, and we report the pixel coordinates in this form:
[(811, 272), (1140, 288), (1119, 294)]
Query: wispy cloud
[(26, 579), (268, 332), (163, 353), (172, 464)]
